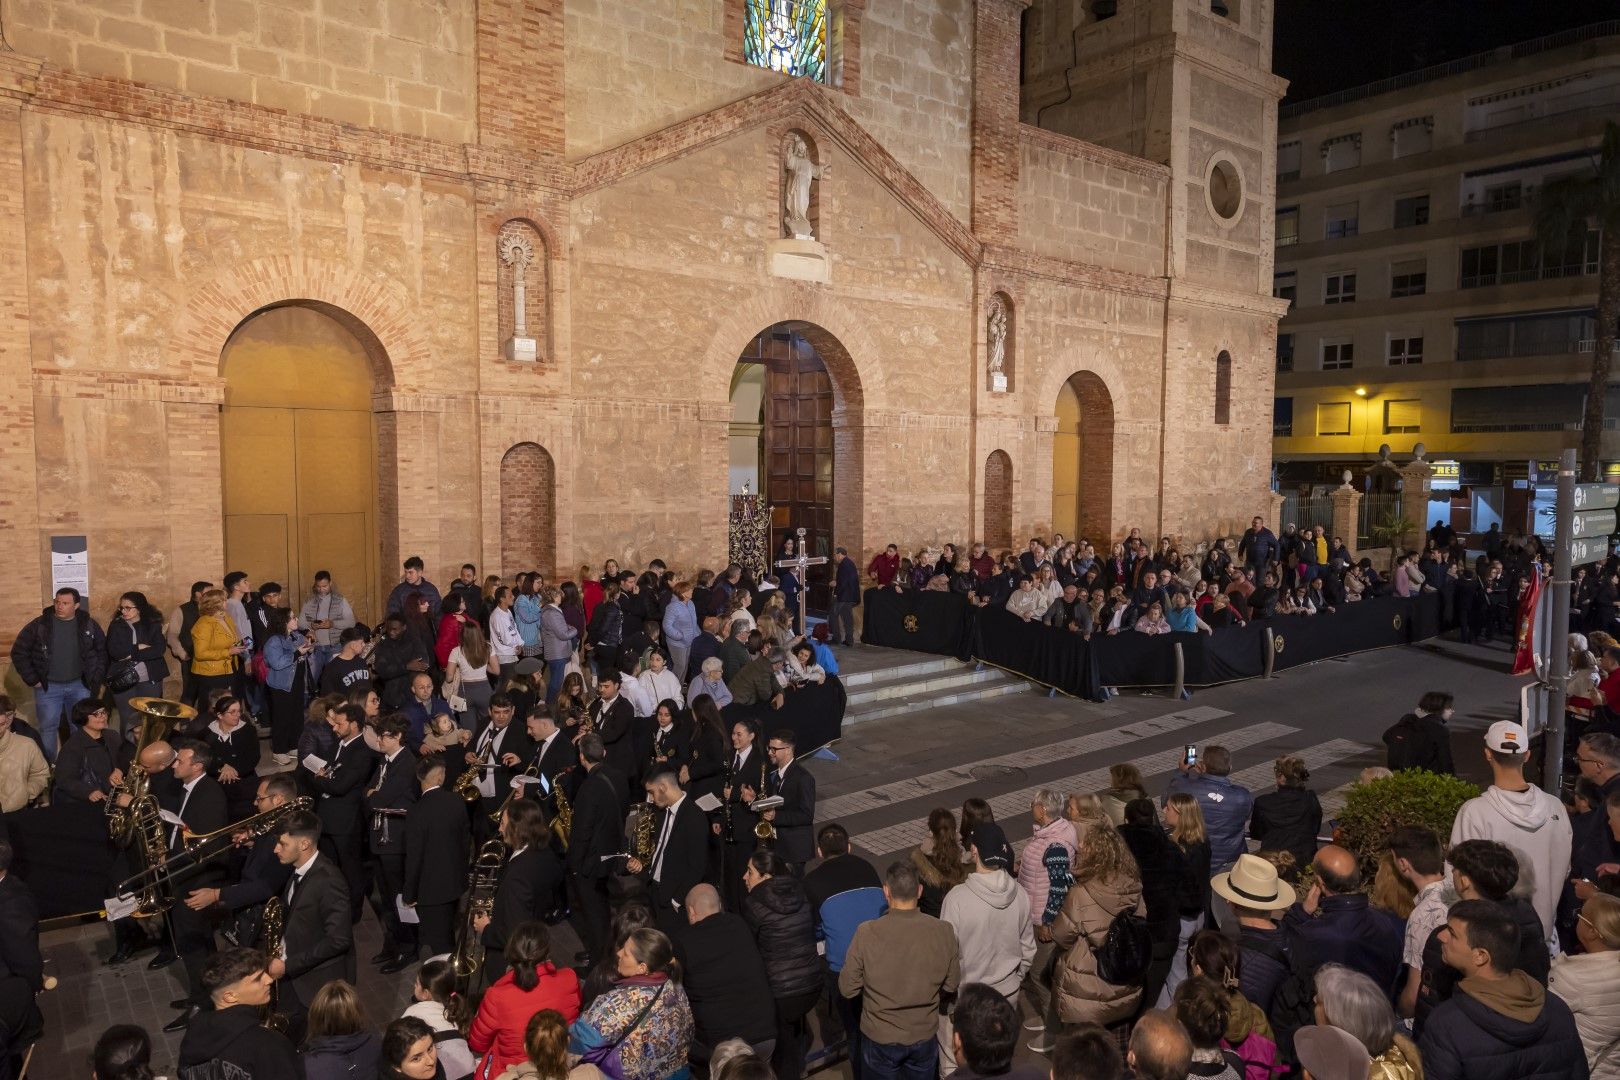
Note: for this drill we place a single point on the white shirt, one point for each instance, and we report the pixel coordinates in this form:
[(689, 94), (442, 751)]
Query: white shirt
[(491, 741), (174, 833), (635, 692), (504, 639), (661, 685), (663, 839), (1428, 913), (467, 671)]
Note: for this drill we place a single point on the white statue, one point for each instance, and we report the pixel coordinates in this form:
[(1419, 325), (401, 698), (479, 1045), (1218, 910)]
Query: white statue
[(517, 252), (802, 172), (998, 335)]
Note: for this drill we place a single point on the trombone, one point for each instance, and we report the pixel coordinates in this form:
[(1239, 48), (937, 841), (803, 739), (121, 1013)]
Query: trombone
[(203, 848)]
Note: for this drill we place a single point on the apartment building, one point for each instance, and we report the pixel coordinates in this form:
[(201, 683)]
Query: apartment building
[(1422, 308)]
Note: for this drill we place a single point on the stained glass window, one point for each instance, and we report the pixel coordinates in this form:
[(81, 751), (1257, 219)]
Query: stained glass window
[(789, 36)]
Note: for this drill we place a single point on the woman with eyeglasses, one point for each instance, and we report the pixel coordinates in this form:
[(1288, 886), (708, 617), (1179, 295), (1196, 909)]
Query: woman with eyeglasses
[(135, 647), (93, 759), (1589, 983)]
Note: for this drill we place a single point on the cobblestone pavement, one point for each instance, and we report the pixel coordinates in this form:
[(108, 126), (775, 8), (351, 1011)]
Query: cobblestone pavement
[(888, 774)]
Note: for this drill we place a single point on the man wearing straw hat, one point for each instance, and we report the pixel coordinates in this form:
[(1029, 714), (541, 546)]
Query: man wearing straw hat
[(1258, 896)]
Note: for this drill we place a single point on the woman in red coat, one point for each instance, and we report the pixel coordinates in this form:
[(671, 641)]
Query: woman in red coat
[(530, 984)]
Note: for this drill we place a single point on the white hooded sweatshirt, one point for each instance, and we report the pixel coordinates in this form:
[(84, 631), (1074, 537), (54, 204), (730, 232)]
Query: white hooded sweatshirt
[(1532, 823), (990, 914)]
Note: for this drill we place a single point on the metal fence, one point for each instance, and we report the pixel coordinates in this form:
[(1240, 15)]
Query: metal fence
[(1316, 508)]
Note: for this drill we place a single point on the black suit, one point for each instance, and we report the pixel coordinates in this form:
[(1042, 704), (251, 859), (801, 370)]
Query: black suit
[(599, 808), (555, 762), (393, 787), (22, 970), (438, 843), (263, 876), (614, 722), (795, 819), (685, 851), (724, 977), (671, 749), (319, 936), (192, 933), (513, 740), (341, 805), (527, 885), (737, 838)]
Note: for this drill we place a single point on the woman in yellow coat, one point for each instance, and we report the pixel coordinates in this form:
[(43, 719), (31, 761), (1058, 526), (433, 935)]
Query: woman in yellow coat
[(214, 647)]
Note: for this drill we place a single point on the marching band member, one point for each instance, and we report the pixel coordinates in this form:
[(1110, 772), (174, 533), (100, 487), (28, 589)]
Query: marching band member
[(438, 845), (201, 806), (392, 791), (317, 943), (527, 883)]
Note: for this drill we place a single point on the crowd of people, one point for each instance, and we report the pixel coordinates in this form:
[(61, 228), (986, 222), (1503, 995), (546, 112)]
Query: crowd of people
[(1131, 935)]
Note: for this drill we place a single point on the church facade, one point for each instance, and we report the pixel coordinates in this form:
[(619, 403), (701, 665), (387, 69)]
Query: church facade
[(294, 285)]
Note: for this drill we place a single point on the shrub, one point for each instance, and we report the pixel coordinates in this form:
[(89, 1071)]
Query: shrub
[(1410, 797)]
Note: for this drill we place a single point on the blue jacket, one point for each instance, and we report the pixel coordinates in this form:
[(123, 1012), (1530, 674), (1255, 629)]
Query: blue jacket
[(845, 892), (1346, 930), (847, 582), (680, 622), (526, 610), (824, 656), (1226, 809), (1465, 1039), (1258, 548), (281, 659)]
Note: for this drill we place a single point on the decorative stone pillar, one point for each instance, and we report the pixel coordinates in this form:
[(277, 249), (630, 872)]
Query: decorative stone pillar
[(1274, 515), (1346, 504), (1416, 478)]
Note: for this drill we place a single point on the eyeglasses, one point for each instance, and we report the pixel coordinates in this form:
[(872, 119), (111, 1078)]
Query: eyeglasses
[(775, 749)]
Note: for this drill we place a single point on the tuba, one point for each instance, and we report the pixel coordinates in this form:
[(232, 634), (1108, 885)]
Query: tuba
[(468, 957), (159, 718)]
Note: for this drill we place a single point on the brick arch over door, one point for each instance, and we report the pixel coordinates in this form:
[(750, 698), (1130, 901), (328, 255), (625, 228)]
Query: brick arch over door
[(1083, 459), (528, 510), (998, 501)]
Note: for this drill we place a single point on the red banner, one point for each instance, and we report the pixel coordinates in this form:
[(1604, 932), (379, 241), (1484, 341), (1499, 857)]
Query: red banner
[(1524, 653)]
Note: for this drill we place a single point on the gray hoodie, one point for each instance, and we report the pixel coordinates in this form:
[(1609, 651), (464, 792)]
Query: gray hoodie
[(990, 914), (332, 606), (1532, 823)]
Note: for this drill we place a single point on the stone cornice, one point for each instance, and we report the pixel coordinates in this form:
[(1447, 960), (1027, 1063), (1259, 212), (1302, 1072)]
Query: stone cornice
[(1102, 155), (19, 75), (1210, 296), (125, 386), (1019, 262)]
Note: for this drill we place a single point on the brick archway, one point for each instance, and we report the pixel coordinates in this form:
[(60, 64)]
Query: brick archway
[(1083, 458), (377, 311), (528, 510), (998, 501)]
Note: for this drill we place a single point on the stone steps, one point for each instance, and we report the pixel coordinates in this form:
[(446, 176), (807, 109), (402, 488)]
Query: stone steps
[(924, 684)]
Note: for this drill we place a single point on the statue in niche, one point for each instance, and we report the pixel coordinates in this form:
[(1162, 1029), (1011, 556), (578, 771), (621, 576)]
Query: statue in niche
[(802, 172), (998, 335)]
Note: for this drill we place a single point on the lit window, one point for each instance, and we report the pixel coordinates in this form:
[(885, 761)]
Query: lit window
[(1287, 226), (1402, 417), (1333, 418), (789, 36)]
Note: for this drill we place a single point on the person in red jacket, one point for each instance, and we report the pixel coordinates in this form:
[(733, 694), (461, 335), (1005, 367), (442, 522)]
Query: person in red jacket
[(884, 566), (532, 982)]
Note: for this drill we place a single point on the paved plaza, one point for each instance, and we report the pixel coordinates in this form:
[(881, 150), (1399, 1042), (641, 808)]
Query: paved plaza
[(890, 772)]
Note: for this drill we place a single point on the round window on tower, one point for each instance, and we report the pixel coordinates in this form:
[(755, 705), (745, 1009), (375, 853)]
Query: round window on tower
[(1224, 190)]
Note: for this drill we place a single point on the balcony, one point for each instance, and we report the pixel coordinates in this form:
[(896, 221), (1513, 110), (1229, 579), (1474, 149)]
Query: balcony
[(1487, 278), (1518, 347)]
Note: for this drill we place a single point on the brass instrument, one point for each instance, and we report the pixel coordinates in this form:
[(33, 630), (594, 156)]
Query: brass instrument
[(468, 957), (563, 824), (152, 844), (467, 782), (514, 793), (205, 847), (159, 718), (642, 835), (274, 925)]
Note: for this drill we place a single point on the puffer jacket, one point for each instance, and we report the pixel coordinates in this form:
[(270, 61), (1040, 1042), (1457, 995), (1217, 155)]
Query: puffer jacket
[(1248, 1035), (1037, 876), (340, 1057), (1519, 1032), (1590, 986), (784, 925), (31, 652), (1088, 911)]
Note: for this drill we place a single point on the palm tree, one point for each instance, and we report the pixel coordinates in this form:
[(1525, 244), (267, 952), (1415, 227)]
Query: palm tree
[(1562, 208)]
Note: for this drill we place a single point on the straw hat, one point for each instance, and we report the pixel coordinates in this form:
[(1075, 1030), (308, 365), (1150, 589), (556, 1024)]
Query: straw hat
[(1330, 1053), (1253, 883)]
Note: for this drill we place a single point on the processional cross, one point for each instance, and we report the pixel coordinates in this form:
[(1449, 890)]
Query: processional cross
[(802, 564)]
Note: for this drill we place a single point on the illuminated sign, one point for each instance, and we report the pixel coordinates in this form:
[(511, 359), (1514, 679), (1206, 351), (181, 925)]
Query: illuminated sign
[(1447, 476)]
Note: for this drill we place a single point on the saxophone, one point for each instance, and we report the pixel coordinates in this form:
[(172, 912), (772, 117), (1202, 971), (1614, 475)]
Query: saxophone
[(563, 824), (468, 957), (467, 782), (273, 926), (642, 845)]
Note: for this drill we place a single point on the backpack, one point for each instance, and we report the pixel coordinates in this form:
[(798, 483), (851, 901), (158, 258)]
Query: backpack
[(1126, 950), (1294, 1005)]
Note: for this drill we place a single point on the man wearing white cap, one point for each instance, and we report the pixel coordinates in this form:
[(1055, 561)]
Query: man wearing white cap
[(1515, 812)]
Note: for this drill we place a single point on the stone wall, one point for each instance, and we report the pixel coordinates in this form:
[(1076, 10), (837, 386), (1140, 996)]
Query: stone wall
[(395, 65), (1077, 199)]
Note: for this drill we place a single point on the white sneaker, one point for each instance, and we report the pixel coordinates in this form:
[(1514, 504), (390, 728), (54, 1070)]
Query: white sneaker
[(284, 759), (1041, 1046)]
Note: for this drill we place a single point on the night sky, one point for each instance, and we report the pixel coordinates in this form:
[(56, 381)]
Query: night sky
[(1322, 46)]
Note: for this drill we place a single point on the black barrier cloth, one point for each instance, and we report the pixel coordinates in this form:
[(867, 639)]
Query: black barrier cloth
[(922, 621), (930, 622), (815, 714), (64, 854)]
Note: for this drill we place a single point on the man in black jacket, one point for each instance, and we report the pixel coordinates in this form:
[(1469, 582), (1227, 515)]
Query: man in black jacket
[(724, 978), (795, 818), (317, 942), (438, 842), (341, 786), (63, 656), (396, 661), (846, 594), (1420, 739), (472, 594), (388, 799), (263, 875), (528, 882), (680, 850), (499, 743), (233, 1032), (599, 808), (201, 805), (1163, 873), (613, 719)]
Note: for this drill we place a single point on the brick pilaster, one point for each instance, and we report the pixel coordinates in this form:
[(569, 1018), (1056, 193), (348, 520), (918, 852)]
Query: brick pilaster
[(520, 76), (995, 119)]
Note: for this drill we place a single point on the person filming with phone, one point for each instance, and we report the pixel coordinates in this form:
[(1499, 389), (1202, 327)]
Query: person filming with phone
[(1204, 772)]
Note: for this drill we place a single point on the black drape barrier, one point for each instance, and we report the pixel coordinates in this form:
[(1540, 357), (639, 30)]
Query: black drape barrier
[(64, 854), (815, 714), (945, 624)]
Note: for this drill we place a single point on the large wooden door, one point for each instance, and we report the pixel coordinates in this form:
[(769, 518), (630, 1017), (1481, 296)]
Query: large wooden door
[(297, 456), (798, 450)]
